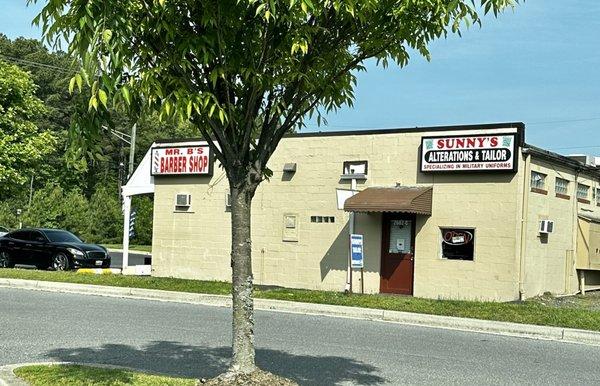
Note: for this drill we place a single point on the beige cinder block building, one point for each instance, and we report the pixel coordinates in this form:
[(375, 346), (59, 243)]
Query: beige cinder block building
[(458, 212)]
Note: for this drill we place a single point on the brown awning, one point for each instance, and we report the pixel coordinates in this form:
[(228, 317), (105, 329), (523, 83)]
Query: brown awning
[(405, 199)]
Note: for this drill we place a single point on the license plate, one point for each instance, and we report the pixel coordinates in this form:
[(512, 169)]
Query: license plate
[(98, 262)]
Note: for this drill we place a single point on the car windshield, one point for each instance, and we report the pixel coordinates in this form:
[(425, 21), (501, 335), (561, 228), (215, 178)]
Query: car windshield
[(62, 236), (2, 229)]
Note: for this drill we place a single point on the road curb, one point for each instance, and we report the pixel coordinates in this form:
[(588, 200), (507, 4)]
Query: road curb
[(436, 321), (99, 271), (8, 377)]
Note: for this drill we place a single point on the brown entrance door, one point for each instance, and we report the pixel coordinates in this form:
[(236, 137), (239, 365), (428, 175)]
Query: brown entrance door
[(397, 253)]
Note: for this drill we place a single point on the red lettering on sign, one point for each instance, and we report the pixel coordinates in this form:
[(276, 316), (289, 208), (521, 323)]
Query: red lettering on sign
[(494, 142)]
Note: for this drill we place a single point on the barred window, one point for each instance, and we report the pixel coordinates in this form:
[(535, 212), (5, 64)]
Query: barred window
[(583, 191), (561, 186), (538, 180)]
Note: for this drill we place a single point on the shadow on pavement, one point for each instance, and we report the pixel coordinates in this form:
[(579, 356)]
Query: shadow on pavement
[(206, 362)]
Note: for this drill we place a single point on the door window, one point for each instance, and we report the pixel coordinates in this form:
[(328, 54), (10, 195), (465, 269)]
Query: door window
[(20, 235), (37, 236), (400, 236)]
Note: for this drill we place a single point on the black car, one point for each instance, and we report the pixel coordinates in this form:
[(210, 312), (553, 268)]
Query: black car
[(50, 248)]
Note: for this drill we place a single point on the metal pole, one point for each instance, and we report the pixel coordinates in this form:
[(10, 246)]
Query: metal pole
[(132, 149), (30, 191), (126, 217), (351, 231), (362, 280)]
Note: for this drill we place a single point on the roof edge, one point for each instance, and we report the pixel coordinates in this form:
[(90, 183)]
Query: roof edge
[(562, 160), (416, 129)]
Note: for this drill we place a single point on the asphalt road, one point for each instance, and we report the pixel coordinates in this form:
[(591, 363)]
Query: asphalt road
[(193, 341)]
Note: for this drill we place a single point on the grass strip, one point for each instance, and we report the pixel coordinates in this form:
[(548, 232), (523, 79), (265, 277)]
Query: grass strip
[(76, 375), (527, 312)]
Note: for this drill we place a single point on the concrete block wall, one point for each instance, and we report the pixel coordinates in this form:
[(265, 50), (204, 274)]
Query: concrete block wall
[(317, 260), (550, 261)]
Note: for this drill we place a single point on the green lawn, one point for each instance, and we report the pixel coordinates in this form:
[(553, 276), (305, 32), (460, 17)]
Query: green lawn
[(530, 312), (74, 375), (143, 248)]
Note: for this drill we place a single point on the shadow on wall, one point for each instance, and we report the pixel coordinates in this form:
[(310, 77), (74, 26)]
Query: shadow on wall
[(206, 362), (336, 257)]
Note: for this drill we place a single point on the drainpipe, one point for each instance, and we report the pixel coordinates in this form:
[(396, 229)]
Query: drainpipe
[(575, 230), (524, 215)]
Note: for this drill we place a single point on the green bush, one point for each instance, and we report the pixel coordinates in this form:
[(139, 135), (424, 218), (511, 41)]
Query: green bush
[(52, 207), (143, 205), (97, 220), (105, 217), (8, 214)]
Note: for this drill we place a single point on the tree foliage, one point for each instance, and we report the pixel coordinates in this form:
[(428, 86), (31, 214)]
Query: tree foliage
[(243, 69), (22, 144), (52, 207)]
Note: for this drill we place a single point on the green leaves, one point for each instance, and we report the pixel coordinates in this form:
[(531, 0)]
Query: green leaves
[(23, 145), (106, 36), (75, 80), (103, 97)]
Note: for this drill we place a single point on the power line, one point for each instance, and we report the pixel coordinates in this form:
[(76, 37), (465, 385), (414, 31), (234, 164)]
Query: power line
[(565, 121), (35, 64)]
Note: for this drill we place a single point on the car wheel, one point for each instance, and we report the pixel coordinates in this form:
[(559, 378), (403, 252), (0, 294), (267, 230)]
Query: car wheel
[(5, 260), (60, 262)]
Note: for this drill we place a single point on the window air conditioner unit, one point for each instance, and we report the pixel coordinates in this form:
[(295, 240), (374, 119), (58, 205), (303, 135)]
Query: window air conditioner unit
[(546, 226), (183, 199)]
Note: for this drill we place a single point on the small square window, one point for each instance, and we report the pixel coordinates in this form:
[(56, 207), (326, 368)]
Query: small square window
[(355, 167), (538, 180), (322, 219)]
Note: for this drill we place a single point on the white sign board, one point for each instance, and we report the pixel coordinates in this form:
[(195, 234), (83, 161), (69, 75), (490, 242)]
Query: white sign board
[(356, 250), (467, 153), (182, 160)]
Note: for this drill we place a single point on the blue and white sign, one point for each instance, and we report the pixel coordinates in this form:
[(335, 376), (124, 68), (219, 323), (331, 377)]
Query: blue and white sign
[(356, 251)]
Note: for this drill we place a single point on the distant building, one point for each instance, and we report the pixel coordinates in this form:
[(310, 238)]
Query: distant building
[(457, 212)]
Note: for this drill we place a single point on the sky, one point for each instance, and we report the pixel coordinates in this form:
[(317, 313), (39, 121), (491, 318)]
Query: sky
[(538, 64)]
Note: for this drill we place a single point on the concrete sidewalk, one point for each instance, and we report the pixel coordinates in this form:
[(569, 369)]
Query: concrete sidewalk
[(473, 325)]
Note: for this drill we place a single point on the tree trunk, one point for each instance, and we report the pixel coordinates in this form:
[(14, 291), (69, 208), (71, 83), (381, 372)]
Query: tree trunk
[(241, 264)]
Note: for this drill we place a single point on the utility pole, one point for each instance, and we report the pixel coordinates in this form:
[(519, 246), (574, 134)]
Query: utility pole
[(30, 191), (132, 149)]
